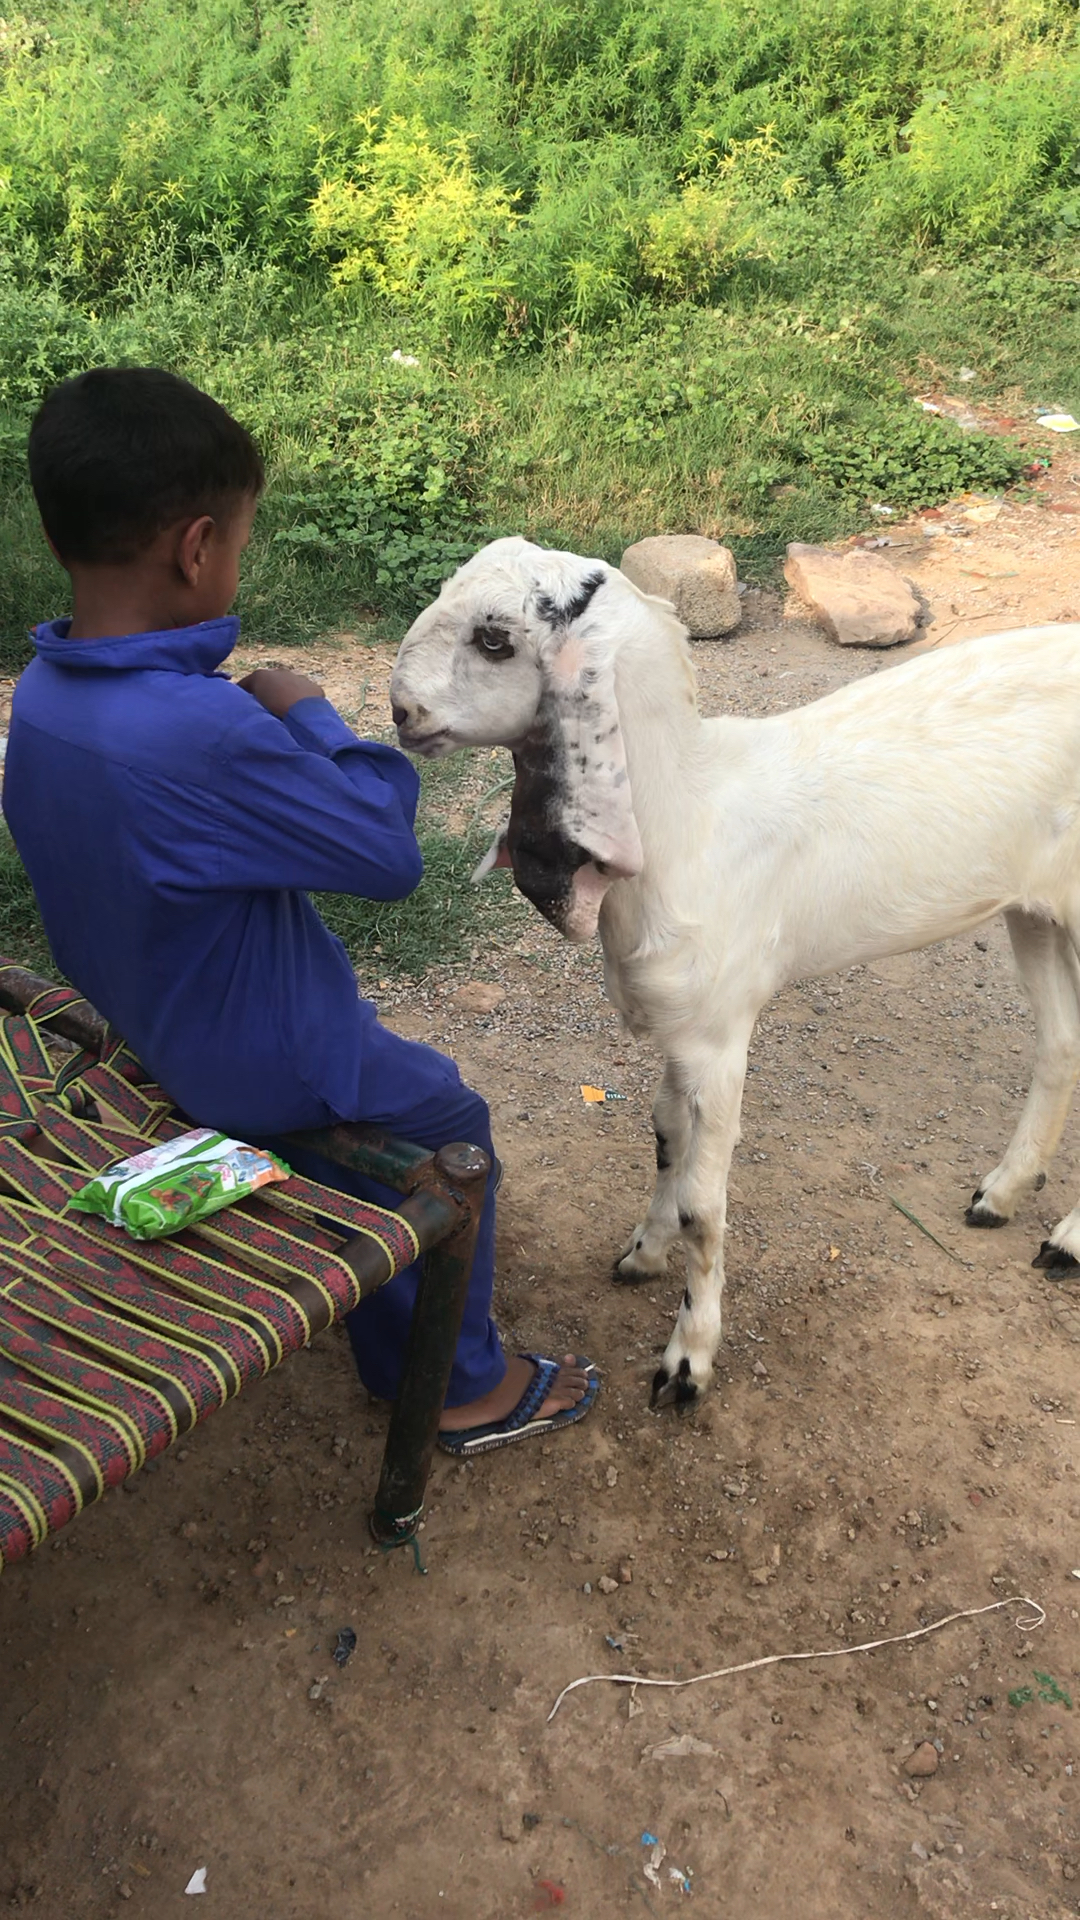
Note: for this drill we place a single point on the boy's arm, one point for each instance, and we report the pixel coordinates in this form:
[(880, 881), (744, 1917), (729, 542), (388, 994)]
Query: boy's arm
[(308, 805)]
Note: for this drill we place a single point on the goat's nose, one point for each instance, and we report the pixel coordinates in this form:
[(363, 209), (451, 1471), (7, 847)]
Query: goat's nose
[(400, 715)]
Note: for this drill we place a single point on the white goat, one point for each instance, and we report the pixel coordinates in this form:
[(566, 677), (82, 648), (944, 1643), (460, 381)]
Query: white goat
[(727, 857)]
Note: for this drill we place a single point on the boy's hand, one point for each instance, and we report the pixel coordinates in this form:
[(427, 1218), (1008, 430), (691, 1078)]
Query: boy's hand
[(279, 688)]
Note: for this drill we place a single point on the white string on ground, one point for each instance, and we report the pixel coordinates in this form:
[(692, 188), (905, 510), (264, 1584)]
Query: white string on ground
[(1025, 1623)]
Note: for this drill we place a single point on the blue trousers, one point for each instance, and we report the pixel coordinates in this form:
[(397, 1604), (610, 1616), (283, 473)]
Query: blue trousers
[(415, 1092)]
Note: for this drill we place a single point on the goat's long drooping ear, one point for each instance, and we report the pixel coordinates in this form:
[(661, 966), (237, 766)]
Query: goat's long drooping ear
[(572, 829)]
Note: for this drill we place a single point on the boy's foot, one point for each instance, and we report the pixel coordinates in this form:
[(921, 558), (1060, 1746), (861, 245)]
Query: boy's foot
[(553, 1396), (567, 1388)]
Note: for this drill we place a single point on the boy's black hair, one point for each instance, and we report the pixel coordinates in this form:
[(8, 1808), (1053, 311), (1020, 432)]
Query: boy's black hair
[(119, 453)]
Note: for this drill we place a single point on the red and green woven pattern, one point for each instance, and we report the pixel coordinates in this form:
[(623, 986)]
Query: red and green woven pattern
[(110, 1347)]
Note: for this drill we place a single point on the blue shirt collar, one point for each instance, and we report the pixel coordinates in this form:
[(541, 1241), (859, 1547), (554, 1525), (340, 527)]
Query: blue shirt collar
[(198, 649)]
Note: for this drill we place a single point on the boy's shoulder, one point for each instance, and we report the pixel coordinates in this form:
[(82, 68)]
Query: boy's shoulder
[(175, 724)]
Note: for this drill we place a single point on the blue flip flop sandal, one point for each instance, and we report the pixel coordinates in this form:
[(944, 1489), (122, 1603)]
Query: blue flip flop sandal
[(522, 1421)]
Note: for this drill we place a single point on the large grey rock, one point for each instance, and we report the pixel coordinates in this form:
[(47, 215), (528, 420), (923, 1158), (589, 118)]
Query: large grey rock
[(695, 574), (859, 599)]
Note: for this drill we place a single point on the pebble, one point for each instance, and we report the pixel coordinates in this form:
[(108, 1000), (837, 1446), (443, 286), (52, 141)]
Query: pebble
[(626, 1573), (921, 1764), (477, 996), (606, 1584)]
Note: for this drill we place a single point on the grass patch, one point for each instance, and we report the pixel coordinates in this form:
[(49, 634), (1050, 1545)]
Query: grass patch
[(22, 936), (446, 922)]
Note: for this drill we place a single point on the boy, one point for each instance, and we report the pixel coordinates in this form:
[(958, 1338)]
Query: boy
[(172, 823)]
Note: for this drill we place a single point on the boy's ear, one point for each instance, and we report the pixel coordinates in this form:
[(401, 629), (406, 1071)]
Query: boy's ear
[(192, 546)]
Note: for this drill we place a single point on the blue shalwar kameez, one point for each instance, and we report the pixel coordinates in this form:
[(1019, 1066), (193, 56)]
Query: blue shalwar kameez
[(172, 828)]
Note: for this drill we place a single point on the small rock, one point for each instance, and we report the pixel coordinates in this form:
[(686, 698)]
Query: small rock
[(612, 1476), (606, 1584), (760, 1370), (510, 1828), (760, 1576), (857, 597), (680, 1747), (477, 996), (626, 1574), (921, 1764), (695, 574)]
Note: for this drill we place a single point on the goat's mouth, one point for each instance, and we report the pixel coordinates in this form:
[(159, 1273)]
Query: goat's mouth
[(430, 746)]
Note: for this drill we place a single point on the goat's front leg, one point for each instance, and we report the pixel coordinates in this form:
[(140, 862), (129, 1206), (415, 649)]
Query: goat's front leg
[(646, 1253), (715, 1085)]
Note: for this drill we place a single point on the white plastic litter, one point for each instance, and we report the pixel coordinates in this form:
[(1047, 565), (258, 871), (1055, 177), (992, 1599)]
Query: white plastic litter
[(404, 359), (197, 1883), (1058, 422), (655, 1861)]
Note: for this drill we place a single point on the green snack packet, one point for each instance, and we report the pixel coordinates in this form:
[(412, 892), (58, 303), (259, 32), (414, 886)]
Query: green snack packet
[(174, 1185)]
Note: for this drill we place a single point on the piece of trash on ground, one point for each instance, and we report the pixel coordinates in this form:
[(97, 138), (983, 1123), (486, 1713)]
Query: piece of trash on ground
[(655, 1861), (549, 1894), (633, 1705), (404, 359), (677, 1748), (315, 1691), (682, 1878), (983, 511), (1058, 422), (967, 373), (197, 1883), (595, 1096), (346, 1646), (886, 512)]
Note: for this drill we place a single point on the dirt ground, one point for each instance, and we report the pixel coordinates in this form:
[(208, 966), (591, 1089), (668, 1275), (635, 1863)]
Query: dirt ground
[(893, 1437)]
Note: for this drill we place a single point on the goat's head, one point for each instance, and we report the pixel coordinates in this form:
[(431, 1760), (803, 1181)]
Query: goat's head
[(519, 651)]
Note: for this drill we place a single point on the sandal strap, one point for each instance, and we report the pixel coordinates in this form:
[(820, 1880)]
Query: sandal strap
[(535, 1393)]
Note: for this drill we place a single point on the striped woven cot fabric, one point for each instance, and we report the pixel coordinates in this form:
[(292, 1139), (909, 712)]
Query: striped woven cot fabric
[(110, 1348)]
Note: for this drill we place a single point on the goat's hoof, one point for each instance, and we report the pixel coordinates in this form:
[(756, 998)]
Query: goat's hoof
[(624, 1275), (979, 1215), (1055, 1259), (673, 1390)]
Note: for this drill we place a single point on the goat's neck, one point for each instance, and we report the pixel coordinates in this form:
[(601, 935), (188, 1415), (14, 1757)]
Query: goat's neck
[(664, 739)]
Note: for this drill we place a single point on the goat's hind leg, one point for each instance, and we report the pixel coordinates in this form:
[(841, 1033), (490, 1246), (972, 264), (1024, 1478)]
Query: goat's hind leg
[(1061, 1253), (1047, 965), (646, 1253)]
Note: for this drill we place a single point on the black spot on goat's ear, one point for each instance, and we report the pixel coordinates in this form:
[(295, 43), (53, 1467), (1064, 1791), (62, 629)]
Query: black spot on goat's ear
[(492, 641), (570, 610)]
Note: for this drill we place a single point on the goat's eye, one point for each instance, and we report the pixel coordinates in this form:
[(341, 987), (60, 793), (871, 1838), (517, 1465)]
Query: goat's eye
[(494, 642)]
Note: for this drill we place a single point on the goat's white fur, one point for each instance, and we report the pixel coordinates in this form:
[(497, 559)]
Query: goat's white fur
[(911, 805)]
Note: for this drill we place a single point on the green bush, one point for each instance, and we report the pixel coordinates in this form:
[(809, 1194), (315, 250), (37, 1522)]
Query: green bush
[(913, 461)]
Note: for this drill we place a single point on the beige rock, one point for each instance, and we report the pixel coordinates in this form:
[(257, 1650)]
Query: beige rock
[(477, 996), (695, 574), (921, 1764), (859, 599), (606, 1584)]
